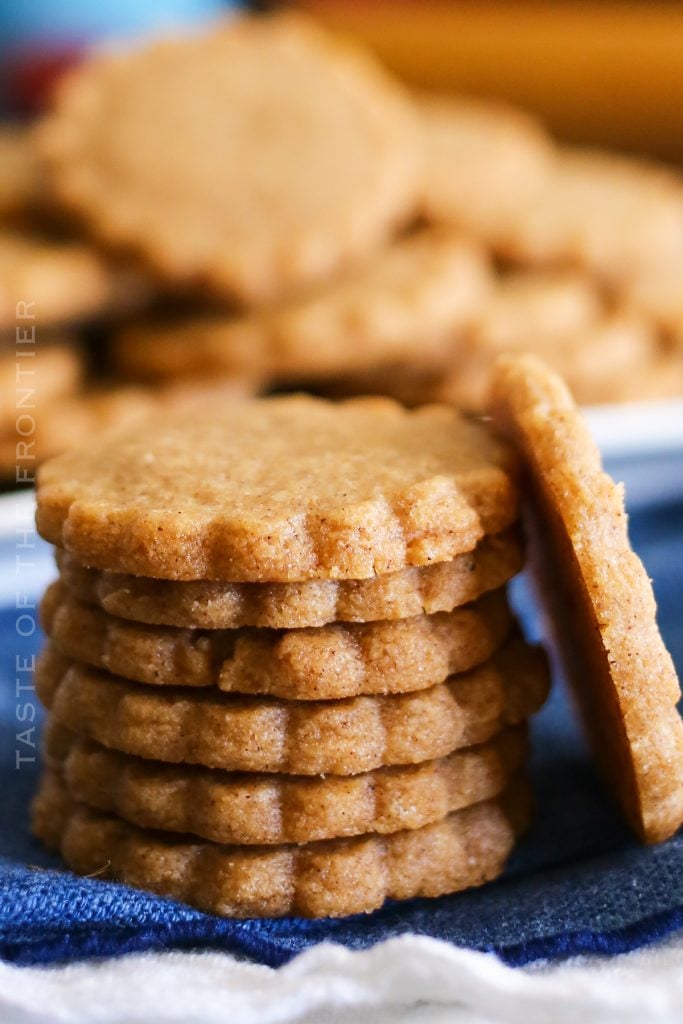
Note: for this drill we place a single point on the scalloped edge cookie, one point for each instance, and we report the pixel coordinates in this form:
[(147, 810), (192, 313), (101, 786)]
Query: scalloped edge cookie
[(281, 490), (341, 737), (328, 879), (256, 809), (206, 604), (316, 663)]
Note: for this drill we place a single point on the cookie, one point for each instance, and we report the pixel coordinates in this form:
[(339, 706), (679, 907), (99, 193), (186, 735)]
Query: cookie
[(328, 879), (615, 216), (600, 599), (539, 304), (204, 604), (298, 154), (341, 737), (51, 283), (663, 378), (606, 361), (658, 293), (267, 809), (281, 490), (20, 178), (410, 383), (32, 376), (315, 663), (482, 160), (64, 424), (606, 351), (410, 301)]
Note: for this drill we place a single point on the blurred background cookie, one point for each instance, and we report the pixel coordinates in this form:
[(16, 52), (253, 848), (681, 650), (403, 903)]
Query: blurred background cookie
[(304, 221), (298, 155)]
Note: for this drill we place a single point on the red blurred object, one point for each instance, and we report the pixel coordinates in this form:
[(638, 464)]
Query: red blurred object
[(30, 76)]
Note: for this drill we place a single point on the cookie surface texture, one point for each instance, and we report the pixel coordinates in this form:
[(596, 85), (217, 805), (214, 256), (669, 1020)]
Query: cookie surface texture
[(408, 301), (281, 490)]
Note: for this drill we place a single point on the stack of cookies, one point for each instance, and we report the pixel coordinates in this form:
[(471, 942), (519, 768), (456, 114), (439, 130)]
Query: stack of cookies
[(282, 673)]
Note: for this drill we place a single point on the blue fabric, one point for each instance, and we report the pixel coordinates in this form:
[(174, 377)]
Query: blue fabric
[(577, 883)]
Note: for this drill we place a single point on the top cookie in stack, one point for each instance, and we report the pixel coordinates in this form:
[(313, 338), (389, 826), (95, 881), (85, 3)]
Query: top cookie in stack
[(282, 629)]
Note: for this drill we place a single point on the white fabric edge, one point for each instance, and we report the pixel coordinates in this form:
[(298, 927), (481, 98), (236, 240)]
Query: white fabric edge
[(214, 988)]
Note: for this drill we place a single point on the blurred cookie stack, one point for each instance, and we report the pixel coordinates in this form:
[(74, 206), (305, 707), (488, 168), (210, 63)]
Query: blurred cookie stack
[(261, 207), (59, 295), (268, 695)]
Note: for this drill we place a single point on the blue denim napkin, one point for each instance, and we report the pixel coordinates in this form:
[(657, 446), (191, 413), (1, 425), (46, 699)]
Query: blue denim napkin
[(578, 882)]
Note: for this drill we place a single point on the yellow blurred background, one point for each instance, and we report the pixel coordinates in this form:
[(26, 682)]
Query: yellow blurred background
[(597, 72)]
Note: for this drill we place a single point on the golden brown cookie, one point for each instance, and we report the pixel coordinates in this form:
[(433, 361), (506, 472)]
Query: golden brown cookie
[(341, 737), (298, 154), (267, 809), (50, 283), (281, 490), (615, 216), (316, 663), (328, 879), (206, 604), (20, 177), (605, 352), (482, 160), (68, 422), (32, 376), (658, 292), (605, 361), (410, 301), (601, 600), (663, 378)]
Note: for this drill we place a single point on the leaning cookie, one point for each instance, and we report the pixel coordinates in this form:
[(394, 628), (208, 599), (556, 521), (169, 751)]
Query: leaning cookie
[(600, 598), (341, 737), (251, 492), (328, 879), (298, 154), (248, 809)]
